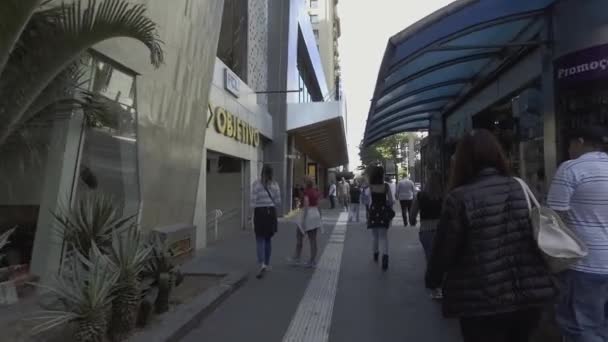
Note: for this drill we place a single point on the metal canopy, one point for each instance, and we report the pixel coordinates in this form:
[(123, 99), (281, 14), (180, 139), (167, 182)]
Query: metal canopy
[(429, 67)]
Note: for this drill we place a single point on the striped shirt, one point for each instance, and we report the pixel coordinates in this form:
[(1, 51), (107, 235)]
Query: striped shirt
[(580, 189), (260, 197)]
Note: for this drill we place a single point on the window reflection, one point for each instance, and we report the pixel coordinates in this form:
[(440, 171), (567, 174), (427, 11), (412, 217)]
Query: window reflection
[(108, 161), (304, 94)]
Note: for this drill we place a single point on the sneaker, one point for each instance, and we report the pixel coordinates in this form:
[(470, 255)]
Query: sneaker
[(294, 261), (310, 264), (262, 271), (437, 294)]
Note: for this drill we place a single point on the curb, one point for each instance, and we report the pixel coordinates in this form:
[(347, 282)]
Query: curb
[(177, 324)]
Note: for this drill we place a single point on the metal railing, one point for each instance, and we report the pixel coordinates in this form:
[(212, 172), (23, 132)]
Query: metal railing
[(217, 216)]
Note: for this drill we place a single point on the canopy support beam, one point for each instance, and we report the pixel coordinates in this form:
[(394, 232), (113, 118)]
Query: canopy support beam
[(489, 46)]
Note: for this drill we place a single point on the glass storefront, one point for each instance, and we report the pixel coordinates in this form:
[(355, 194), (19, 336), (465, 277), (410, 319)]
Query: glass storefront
[(518, 124), (580, 106), (581, 93), (57, 156)]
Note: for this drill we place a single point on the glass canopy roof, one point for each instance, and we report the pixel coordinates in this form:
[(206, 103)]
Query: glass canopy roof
[(432, 65)]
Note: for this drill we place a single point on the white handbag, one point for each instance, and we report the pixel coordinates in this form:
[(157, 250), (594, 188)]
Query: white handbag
[(559, 245)]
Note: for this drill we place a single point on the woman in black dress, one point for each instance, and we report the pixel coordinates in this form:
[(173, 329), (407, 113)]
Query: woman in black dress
[(381, 213)]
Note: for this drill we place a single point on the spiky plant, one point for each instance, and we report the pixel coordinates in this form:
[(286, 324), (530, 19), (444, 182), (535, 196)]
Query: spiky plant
[(92, 220), (41, 45), (163, 271), (84, 294), (129, 253)]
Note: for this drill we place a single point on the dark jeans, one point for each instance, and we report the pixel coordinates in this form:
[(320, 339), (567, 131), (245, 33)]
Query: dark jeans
[(582, 312), (332, 201), (264, 249), (405, 210), (515, 326), (426, 239)]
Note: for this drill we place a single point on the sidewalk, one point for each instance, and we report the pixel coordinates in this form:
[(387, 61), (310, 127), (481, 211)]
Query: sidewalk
[(367, 304)]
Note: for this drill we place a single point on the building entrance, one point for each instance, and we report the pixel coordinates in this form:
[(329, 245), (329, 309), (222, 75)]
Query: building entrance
[(227, 193)]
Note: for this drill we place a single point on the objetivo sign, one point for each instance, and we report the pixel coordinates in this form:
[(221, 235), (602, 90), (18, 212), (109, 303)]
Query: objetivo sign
[(581, 66), (229, 125)]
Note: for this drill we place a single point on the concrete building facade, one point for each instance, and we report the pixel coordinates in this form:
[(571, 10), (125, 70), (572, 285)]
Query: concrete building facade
[(242, 85)]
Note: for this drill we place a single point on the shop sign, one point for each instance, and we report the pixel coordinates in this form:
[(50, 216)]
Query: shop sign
[(585, 65), (231, 82), (229, 125)]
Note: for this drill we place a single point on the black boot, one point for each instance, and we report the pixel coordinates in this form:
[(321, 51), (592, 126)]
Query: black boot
[(376, 257), (385, 262)]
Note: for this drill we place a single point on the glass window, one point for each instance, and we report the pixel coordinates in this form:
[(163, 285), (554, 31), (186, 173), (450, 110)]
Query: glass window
[(314, 3), (314, 18), (316, 33), (108, 161), (232, 44)]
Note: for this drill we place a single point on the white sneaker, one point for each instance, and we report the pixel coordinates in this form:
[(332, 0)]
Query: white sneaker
[(294, 261), (262, 271), (310, 264)]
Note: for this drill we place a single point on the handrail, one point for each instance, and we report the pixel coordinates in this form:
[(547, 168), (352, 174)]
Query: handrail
[(218, 216)]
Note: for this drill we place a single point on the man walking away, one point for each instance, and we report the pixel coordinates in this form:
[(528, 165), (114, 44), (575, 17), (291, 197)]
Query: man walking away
[(332, 195), (579, 192), (343, 194), (355, 198), (406, 190)]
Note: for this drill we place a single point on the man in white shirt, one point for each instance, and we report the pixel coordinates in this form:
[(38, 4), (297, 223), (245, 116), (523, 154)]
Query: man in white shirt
[(579, 193), (332, 195), (406, 190)]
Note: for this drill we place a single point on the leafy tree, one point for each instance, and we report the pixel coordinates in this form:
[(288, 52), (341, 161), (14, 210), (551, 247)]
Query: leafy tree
[(388, 149)]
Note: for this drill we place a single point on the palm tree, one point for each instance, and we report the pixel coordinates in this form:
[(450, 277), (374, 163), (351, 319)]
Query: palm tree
[(41, 45)]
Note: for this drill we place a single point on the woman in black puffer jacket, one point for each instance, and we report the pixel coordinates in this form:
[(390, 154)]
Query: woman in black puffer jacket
[(484, 255)]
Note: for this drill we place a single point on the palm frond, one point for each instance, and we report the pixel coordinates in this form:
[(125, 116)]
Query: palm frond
[(5, 236), (63, 88), (67, 34), (14, 15), (4, 240)]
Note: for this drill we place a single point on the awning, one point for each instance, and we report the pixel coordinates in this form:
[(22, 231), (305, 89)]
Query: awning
[(431, 66), (319, 131)]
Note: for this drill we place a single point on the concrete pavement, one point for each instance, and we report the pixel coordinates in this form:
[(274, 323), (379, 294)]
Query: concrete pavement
[(347, 298)]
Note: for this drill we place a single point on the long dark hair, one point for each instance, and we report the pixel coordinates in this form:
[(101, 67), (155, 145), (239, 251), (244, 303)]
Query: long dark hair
[(433, 185), (478, 150), (376, 175), (266, 174)]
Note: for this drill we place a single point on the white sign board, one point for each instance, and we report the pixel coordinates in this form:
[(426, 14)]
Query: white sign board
[(231, 82)]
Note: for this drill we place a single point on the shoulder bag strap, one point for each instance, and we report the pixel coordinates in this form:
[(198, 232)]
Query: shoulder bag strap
[(530, 198), (269, 195)]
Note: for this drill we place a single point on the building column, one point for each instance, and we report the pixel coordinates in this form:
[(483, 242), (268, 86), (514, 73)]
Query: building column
[(548, 100), (282, 76)]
